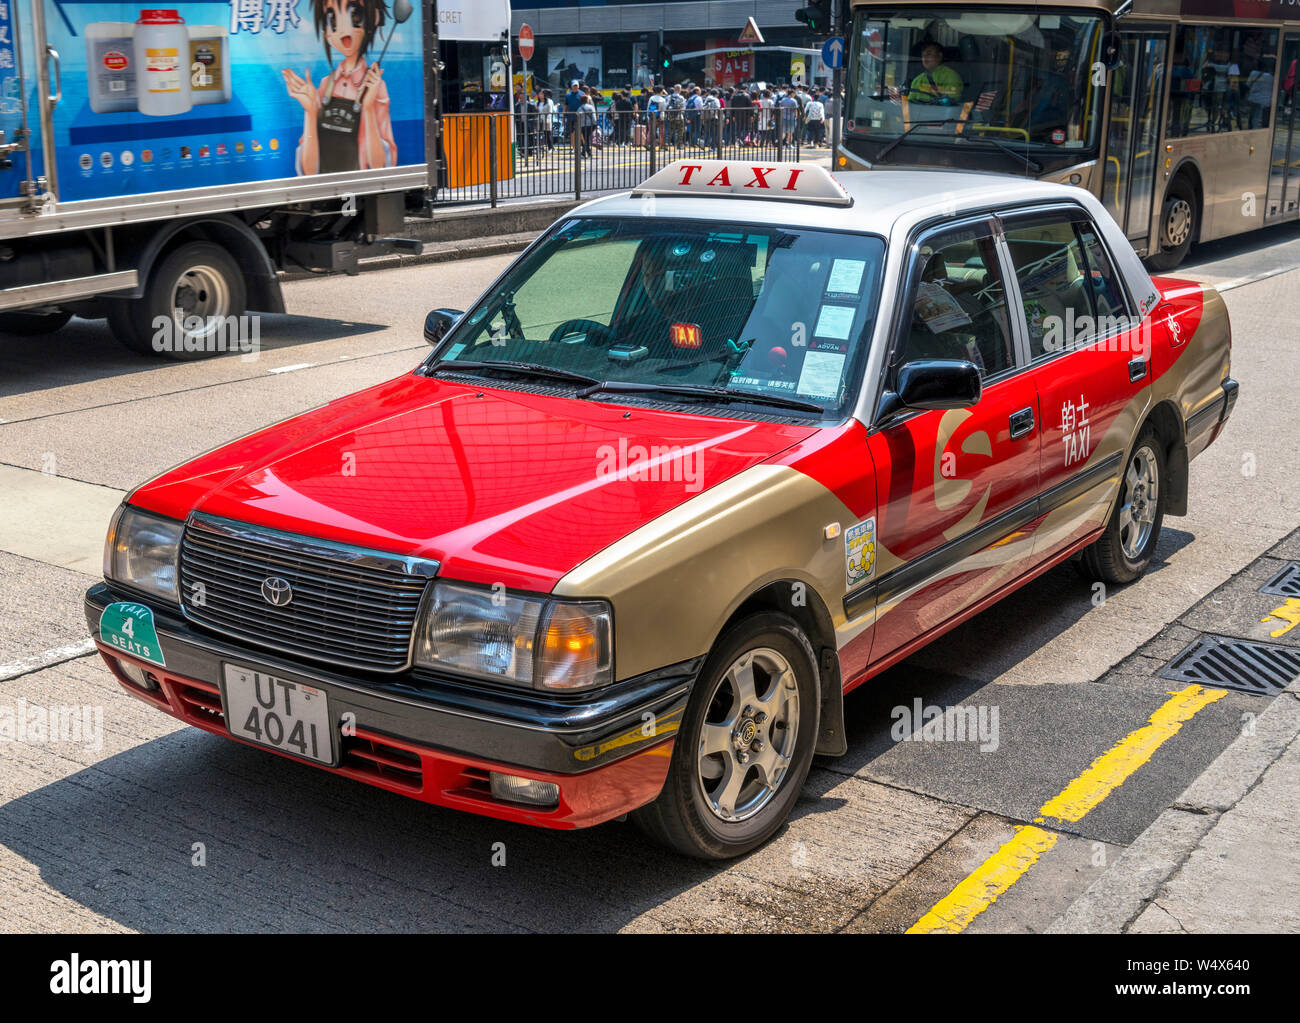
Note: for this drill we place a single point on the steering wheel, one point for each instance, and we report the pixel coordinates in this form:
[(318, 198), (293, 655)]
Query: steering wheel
[(597, 333)]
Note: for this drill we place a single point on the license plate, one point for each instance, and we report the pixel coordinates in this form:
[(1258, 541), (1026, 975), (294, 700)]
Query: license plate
[(286, 716)]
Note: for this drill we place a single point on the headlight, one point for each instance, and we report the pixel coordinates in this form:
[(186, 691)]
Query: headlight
[(527, 641), (140, 552)]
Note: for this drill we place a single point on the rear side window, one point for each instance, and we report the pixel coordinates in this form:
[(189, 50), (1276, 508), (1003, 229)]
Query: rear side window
[(1066, 283), (1107, 294)]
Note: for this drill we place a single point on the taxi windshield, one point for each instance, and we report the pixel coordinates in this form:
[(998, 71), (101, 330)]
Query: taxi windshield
[(728, 313), (1017, 78)]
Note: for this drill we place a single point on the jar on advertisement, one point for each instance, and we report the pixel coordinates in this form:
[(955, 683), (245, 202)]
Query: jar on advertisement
[(162, 63)]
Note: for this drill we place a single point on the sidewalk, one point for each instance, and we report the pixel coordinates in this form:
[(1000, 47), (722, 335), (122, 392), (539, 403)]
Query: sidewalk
[(1225, 857)]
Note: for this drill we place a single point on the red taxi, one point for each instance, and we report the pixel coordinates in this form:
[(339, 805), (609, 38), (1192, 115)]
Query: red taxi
[(706, 457)]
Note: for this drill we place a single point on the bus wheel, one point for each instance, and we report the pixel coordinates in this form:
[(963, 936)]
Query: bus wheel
[(191, 297), (29, 324), (1178, 223)]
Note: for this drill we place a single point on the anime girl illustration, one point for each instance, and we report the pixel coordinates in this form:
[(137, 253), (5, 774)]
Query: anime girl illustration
[(346, 123)]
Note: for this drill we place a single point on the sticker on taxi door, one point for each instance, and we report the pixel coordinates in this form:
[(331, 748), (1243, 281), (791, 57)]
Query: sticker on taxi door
[(129, 627), (860, 552)]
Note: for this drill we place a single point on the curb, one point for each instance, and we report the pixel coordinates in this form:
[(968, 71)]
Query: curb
[(1123, 892)]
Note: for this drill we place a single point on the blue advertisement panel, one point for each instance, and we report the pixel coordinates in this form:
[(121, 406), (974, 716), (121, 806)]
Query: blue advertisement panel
[(16, 82), (218, 93)]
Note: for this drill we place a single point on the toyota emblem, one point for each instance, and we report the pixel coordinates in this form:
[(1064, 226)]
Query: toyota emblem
[(276, 591)]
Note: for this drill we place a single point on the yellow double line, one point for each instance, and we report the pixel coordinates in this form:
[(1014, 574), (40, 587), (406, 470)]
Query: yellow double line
[(954, 912)]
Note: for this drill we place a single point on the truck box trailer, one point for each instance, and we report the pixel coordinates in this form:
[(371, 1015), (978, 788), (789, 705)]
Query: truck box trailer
[(160, 165)]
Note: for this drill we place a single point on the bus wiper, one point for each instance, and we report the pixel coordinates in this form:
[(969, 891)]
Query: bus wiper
[(919, 124), (1033, 166), (528, 369), (700, 391)]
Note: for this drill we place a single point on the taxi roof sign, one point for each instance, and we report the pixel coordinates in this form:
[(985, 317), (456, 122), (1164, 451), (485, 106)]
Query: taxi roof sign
[(747, 179)]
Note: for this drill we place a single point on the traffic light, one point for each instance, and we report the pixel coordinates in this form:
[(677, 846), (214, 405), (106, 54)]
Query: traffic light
[(665, 57), (817, 16)]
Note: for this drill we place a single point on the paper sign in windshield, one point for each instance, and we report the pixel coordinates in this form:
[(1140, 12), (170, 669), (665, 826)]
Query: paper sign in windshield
[(835, 322), (820, 376), (846, 277)]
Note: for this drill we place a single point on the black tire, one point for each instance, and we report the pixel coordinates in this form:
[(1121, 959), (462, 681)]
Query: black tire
[(682, 817), (132, 320), (1180, 219), (1113, 557), (27, 324)]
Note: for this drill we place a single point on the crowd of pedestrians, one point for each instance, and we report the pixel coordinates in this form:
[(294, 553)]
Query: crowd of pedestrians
[(679, 116)]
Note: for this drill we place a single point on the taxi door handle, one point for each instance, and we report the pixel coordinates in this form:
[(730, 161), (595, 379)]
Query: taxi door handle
[(1137, 369), (1022, 423)]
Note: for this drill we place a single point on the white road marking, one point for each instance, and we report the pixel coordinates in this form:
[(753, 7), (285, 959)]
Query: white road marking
[(1237, 282), (46, 659), (290, 369)]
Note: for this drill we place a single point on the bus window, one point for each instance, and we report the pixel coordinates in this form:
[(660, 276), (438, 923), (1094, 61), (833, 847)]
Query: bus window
[(1222, 80), (986, 79)]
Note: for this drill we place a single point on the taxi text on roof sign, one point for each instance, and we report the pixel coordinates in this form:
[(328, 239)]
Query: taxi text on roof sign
[(747, 179)]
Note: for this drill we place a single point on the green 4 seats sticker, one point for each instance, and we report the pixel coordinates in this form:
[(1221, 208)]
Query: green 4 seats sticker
[(129, 628)]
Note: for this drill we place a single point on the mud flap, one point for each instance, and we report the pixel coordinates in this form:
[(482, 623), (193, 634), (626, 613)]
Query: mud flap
[(1176, 474), (831, 741)]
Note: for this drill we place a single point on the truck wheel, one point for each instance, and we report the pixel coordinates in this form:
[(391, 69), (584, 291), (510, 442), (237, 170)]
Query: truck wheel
[(1123, 552), (745, 744), (199, 279), (28, 324), (1178, 222)]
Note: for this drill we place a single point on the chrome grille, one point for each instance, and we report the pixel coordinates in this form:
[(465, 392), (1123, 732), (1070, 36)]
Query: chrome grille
[(350, 606)]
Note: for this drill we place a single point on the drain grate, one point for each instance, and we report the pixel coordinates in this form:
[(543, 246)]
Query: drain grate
[(1259, 668), (1286, 583)]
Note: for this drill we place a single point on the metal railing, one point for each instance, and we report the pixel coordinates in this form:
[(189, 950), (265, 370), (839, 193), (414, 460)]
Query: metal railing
[(492, 157)]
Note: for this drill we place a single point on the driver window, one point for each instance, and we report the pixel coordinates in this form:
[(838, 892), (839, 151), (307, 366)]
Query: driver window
[(959, 308)]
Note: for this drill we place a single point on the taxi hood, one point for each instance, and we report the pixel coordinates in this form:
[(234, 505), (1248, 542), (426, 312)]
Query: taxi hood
[(500, 486)]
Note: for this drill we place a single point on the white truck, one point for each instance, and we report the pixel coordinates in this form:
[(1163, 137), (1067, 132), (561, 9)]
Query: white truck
[(160, 166)]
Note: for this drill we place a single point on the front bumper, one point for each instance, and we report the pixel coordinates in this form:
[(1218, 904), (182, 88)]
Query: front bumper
[(436, 739)]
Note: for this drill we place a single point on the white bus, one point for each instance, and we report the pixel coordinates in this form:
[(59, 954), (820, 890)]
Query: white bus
[(1179, 114)]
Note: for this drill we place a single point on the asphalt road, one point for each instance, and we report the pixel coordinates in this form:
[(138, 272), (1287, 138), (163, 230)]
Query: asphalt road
[(159, 827)]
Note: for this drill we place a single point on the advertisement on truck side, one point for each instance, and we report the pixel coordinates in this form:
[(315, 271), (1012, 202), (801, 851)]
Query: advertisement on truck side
[(201, 94)]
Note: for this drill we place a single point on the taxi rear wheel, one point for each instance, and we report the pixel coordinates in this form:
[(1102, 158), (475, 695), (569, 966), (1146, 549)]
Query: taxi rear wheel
[(745, 745), (1124, 551)]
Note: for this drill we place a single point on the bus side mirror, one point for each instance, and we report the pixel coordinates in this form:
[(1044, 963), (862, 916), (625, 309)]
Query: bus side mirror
[(1112, 50)]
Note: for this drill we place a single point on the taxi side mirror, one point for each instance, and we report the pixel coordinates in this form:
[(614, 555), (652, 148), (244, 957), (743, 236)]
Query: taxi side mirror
[(439, 322), (928, 384)]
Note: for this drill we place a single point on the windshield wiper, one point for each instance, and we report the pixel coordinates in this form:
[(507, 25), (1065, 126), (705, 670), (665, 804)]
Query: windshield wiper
[(1033, 166), (699, 391), (919, 124), (528, 369)]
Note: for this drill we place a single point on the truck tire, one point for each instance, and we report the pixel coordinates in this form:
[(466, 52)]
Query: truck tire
[(1123, 552), (197, 279), (1179, 220), (28, 324), (745, 744)]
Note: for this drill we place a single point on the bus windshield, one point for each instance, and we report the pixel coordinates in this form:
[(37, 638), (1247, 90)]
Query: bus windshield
[(992, 78)]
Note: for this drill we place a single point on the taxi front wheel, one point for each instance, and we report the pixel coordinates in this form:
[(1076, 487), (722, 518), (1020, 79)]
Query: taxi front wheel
[(745, 744), (1124, 551)]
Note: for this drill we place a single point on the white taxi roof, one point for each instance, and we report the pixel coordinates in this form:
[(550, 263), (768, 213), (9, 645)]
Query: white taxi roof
[(872, 201)]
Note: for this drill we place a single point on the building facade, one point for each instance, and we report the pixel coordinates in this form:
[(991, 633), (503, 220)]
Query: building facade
[(618, 45)]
